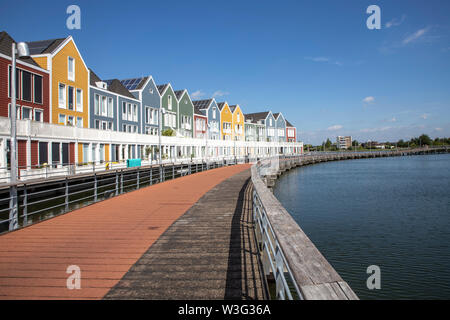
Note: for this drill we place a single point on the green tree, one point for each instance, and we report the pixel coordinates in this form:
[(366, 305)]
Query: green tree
[(168, 132), (424, 139), (328, 144)]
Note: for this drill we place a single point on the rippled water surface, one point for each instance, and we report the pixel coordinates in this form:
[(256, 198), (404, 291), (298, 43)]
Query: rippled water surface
[(389, 212)]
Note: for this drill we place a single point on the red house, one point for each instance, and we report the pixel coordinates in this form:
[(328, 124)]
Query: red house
[(291, 132), (200, 123), (33, 96)]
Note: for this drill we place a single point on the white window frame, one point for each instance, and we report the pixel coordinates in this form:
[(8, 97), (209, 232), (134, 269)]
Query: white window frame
[(31, 112), (79, 123), (169, 102), (104, 106), (73, 98), (110, 107), (97, 104), (79, 104), (42, 88), (41, 111), (62, 103), (70, 75), (59, 119)]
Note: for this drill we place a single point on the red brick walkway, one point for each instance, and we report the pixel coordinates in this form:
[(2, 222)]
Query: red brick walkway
[(104, 239)]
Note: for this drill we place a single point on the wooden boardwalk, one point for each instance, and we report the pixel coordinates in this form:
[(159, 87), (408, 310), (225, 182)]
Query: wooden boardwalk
[(209, 253), (113, 243)]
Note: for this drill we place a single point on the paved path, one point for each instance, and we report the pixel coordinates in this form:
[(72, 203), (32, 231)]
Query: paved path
[(209, 253), (104, 239)]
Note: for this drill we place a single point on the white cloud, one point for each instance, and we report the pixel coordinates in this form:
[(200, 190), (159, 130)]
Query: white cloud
[(369, 99), (324, 59), (220, 93), (415, 36), (393, 119), (395, 22), (438, 129), (335, 127), (424, 116), (197, 94)]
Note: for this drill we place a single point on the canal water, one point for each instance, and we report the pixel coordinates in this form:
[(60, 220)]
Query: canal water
[(390, 212)]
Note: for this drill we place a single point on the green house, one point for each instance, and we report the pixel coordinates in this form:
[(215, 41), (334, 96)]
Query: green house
[(185, 113), (169, 103)]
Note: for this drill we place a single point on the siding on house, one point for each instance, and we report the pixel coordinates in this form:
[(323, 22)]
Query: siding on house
[(170, 103), (185, 113), (212, 112), (25, 68), (226, 121), (280, 127), (238, 123)]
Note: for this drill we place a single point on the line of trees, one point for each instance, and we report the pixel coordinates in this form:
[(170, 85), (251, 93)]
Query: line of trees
[(422, 140)]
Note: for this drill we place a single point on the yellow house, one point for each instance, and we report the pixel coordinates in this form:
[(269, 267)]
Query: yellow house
[(238, 123), (226, 121), (69, 78)]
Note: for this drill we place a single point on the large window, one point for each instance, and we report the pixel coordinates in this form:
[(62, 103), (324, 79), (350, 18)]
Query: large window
[(37, 89), (71, 92), (62, 119), (62, 95), (79, 100), (71, 69), (79, 122), (110, 107), (124, 111), (169, 102), (135, 113), (17, 82), (26, 86), (97, 104), (104, 107)]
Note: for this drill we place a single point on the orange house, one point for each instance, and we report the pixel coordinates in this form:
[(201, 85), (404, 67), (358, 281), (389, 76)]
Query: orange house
[(226, 121), (69, 80), (238, 123)]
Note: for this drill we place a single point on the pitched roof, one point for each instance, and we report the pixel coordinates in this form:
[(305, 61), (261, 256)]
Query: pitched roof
[(276, 115), (255, 117), (162, 87), (288, 124), (199, 112), (6, 42), (232, 108), (44, 46), (179, 93), (202, 104), (220, 105), (116, 86), (93, 78), (134, 83)]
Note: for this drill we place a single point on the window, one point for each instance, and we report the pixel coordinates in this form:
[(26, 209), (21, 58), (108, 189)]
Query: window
[(71, 98), (135, 116), (26, 86), (238, 117), (37, 89), (97, 124), (79, 100), (110, 107), (62, 119), (62, 95), (124, 128), (104, 125), (17, 111), (79, 122), (70, 121), (17, 82), (104, 107), (129, 117), (97, 104), (124, 111), (71, 69), (214, 112), (169, 102), (109, 125), (38, 115), (270, 121), (27, 113)]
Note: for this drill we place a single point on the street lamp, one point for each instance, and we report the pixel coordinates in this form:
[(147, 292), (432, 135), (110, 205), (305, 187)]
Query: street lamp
[(160, 113), (22, 51)]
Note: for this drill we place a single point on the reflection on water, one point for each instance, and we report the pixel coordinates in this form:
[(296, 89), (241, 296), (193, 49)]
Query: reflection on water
[(390, 212)]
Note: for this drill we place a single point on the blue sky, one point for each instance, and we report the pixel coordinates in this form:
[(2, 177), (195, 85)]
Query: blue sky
[(315, 61)]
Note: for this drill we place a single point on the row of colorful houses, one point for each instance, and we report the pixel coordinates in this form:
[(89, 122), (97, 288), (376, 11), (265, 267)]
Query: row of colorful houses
[(56, 86)]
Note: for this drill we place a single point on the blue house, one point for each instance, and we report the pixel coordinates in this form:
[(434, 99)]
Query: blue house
[(211, 110), (144, 89), (281, 127), (268, 120)]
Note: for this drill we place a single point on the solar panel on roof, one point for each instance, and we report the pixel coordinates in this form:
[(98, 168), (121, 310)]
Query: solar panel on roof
[(39, 46)]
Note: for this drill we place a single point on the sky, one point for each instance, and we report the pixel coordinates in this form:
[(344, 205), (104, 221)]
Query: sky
[(314, 61)]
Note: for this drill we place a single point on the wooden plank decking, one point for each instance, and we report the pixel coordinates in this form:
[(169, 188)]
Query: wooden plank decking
[(209, 253), (108, 238)]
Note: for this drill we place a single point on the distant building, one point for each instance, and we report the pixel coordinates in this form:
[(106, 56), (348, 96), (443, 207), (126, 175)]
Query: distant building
[(343, 142)]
